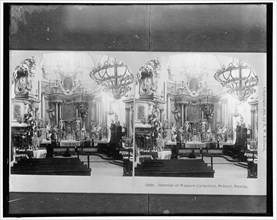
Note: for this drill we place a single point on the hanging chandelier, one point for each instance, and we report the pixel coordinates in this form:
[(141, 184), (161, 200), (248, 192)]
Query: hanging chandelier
[(240, 79), (114, 76)]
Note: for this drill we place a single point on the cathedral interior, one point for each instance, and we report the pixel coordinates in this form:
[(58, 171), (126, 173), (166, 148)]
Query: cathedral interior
[(169, 108), (108, 100)]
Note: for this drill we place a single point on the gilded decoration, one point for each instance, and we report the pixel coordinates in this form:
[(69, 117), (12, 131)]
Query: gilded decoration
[(208, 110), (68, 85), (148, 76), (83, 109), (22, 76)]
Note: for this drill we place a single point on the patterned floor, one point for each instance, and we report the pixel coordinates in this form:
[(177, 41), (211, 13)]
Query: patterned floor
[(222, 167)]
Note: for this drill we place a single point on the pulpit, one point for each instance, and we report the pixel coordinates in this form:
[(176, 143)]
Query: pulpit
[(24, 109)]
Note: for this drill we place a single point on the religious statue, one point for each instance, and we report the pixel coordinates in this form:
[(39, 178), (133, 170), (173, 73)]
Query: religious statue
[(173, 133), (147, 76), (31, 128), (96, 131), (99, 131), (177, 113), (208, 110), (54, 135), (156, 126), (35, 140), (221, 133), (78, 129), (124, 129), (62, 125), (179, 137), (83, 134), (22, 76), (48, 130), (187, 130), (203, 133), (61, 129), (83, 109), (51, 114)]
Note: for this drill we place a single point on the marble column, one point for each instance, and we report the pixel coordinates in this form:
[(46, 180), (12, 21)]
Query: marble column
[(165, 100), (253, 123), (224, 115), (60, 108), (168, 109), (39, 94), (98, 120), (98, 111), (202, 112), (42, 109), (182, 114), (76, 108), (161, 114), (93, 111), (186, 111), (131, 121), (57, 112)]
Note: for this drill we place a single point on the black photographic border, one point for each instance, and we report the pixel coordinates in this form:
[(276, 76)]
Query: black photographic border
[(6, 138)]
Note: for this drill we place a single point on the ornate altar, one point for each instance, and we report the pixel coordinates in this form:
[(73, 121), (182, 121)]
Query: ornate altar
[(67, 104), (194, 109)]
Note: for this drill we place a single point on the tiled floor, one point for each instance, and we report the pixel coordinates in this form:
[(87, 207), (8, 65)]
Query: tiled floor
[(102, 167), (222, 167)]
